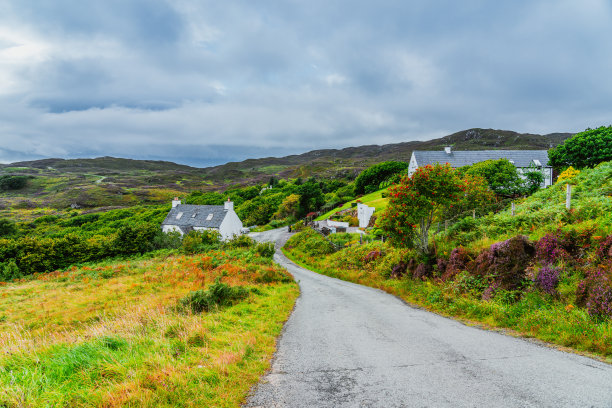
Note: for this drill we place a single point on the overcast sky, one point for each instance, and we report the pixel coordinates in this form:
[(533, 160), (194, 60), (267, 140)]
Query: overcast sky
[(205, 82)]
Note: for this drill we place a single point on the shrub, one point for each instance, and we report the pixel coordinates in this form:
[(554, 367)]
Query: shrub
[(605, 248), (13, 182), (7, 227), (549, 249), (9, 271), (198, 241), (272, 275), (423, 271), (459, 260), (217, 295), (548, 279), (399, 270), (265, 249), (506, 262), (595, 291), (371, 256), (584, 149), (135, 238), (370, 179), (240, 241)]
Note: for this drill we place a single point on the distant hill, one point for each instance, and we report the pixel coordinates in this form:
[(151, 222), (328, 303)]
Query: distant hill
[(351, 160), (347, 162)]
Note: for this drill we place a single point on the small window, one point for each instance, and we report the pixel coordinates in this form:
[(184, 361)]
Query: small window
[(179, 215), (209, 217), (194, 215), (537, 163)]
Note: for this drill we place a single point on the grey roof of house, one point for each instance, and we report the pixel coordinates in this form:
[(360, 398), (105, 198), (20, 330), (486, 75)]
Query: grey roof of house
[(521, 158), (196, 216)]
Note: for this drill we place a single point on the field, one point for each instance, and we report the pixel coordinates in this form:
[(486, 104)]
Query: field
[(117, 333)]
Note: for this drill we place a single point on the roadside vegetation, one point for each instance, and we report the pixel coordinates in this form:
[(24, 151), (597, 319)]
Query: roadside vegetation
[(194, 326), (453, 245)]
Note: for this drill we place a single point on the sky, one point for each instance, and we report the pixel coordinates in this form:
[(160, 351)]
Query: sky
[(205, 82)]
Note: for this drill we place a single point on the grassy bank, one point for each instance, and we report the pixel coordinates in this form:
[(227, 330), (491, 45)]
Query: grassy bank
[(554, 319), (374, 199), (118, 334)]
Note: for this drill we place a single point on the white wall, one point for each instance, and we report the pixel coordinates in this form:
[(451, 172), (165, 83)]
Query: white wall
[(546, 172), (171, 228), (412, 166), (230, 226), (364, 213)]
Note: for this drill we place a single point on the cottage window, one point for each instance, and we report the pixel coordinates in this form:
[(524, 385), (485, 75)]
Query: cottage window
[(209, 217), (179, 215)]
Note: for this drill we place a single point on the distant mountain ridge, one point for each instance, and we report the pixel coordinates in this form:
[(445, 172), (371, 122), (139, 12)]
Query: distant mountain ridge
[(324, 162)]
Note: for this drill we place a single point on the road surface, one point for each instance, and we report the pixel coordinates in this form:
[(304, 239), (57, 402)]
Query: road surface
[(347, 345)]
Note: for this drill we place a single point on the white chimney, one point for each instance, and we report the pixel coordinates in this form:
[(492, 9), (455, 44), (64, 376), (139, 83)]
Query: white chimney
[(175, 202), (229, 205), (448, 150)]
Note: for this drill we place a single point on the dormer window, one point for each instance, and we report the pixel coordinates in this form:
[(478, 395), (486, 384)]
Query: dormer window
[(209, 217), (179, 215), (537, 163), (194, 215)]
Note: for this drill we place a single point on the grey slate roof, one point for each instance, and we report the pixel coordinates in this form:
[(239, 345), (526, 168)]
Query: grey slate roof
[(196, 216), (521, 158)]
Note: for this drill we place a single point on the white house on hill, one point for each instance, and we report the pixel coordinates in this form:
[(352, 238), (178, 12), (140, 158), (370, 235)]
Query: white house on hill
[(523, 160), (184, 218)]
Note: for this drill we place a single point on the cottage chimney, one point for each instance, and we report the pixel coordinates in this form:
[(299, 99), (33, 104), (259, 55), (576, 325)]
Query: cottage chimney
[(229, 205), (448, 150), (175, 202)]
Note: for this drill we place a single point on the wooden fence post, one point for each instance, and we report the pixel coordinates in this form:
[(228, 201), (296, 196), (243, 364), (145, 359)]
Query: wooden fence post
[(513, 209), (474, 214), (568, 196)]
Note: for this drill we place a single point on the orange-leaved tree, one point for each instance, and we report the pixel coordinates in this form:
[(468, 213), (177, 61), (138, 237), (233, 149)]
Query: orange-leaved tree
[(416, 201)]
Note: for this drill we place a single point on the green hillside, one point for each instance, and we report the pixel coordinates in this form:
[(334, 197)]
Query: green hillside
[(374, 199)]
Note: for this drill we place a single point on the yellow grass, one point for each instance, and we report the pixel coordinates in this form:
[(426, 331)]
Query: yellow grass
[(111, 335)]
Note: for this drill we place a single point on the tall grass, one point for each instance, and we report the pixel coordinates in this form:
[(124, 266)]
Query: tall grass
[(113, 335)]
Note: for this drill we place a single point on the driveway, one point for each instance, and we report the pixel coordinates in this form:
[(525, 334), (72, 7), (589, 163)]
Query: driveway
[(347, 345)]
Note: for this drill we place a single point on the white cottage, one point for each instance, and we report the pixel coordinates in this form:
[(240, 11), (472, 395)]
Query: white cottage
[(523, 160), (185, 217)]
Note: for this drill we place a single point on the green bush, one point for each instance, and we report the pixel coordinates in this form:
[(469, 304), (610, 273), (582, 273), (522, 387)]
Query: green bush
[(369, 180), (217, 295), (585, 149), (239, 241), (265, 249), (9, 271), (13, 182), (199, 241)]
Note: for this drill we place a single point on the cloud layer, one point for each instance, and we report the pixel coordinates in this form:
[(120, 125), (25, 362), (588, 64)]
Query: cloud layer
[(204, 82)]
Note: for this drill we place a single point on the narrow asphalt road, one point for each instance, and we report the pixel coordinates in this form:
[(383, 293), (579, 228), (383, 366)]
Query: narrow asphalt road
[(347, 345)]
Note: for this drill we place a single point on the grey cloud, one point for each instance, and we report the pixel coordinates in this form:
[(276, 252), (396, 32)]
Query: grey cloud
[(161, 78)]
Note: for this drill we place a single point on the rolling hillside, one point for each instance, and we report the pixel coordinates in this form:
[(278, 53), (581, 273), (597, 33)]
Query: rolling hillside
[(108, 181)]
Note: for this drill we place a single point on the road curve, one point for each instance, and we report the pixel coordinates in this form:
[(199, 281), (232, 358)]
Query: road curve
[(347, 345)]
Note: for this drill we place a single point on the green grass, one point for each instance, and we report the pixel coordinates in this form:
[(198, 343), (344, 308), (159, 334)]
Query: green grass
[(113, 334), (374, 199)]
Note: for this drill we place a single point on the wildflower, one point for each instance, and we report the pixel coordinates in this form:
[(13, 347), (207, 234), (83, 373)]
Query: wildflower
[(569, 308)]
